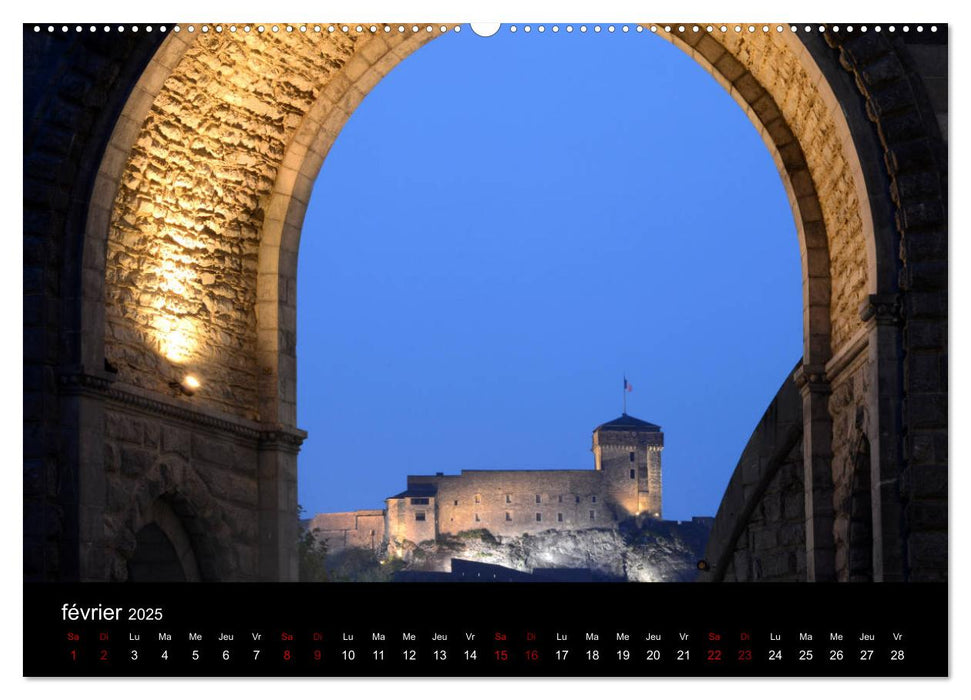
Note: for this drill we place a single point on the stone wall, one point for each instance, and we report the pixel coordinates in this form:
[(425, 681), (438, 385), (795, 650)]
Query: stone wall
[(411, 521), (507, 502), (184, 239), (759, 530), (772, 546), (209, 480), (631, 463), (902, 89), (74, 87), (848, 406), (358, 528), (204, 223)]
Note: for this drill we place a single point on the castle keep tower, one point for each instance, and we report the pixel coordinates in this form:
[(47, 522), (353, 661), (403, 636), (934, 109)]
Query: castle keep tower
[(628, 452)]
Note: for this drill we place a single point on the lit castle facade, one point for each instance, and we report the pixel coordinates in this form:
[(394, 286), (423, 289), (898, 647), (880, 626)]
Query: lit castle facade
[(625, 482)]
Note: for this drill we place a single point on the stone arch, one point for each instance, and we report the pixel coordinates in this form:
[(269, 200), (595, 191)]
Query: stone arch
[(163, 550), (247, 120), (173, 498), (273, 126)]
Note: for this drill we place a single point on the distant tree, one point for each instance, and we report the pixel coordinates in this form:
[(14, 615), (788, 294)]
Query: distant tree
[(360, 565), (312, 553)]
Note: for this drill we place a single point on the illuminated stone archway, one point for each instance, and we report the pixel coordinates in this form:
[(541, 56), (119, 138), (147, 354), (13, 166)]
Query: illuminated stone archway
[(189, 260)]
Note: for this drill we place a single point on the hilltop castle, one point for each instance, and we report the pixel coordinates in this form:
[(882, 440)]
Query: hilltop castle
[(625, 482)]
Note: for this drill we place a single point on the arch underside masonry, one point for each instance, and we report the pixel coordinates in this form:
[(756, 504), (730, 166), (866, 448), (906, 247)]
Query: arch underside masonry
[(189, 255)]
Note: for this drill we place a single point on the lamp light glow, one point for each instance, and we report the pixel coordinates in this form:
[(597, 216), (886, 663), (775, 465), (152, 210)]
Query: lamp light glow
[(188, 386)]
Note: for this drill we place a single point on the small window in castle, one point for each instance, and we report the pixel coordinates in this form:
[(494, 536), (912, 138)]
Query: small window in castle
[(631, 456), (508, 498), (560, 499), (559, 517), (419, 501), (633, 473), (477, 518), (420, 516), (593, 499), (539, 517), (537, 498), (508, 517), (593, 515), (478, 498), (456, 502)]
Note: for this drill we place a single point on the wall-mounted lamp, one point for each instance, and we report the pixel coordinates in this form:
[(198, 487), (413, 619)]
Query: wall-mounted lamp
[(188, 386)]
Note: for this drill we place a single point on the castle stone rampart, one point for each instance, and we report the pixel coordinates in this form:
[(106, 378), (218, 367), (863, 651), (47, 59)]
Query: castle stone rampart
[(358, 528)]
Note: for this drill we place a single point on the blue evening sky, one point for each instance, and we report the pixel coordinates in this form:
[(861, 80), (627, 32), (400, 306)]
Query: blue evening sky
[(508, 224)]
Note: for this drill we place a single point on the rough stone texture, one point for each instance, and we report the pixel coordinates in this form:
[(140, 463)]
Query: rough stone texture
[(759, 530), (903, 81), (646, 550), (778, 70), (185, 232), (768, 76), (211, 484), (773, 545), (339, 531), (847, 405), (74, 87)]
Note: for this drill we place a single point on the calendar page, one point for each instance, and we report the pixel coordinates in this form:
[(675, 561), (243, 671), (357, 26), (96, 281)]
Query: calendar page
[(449, 349)]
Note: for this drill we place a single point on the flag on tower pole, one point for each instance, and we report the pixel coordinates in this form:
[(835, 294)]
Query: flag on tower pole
[(627, 387)]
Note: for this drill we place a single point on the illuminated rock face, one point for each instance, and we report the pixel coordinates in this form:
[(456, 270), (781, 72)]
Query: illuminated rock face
[(646, 550)]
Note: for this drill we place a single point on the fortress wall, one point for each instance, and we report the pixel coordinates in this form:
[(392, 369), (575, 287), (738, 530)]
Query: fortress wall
[(403, 524), (652, 497), (359, 528), (616, 465), (634, 484), (515, 493)]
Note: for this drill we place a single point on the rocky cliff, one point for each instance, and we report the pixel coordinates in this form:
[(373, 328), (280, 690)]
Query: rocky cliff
[(639, 550)]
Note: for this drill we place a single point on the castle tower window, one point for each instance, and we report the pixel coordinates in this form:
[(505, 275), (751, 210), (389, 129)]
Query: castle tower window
[(593, 499), (559, 517), (539, 517), (593, 515), (633, 473), (578, 499), (508, 498), (419, 501), (420, 516), (477, 519), (456, 502), (478, 498), (560, 499), (508, 517), (537, 498), (631, 456)]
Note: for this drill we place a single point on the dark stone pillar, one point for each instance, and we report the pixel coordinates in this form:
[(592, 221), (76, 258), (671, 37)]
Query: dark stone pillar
[(817, 447)]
